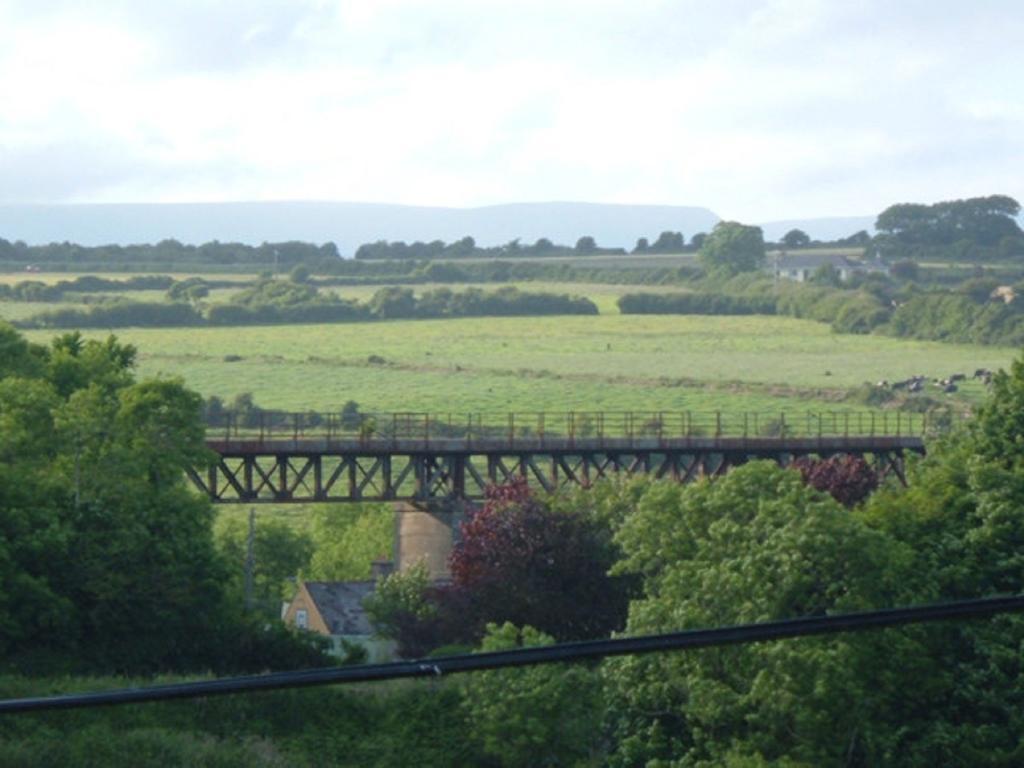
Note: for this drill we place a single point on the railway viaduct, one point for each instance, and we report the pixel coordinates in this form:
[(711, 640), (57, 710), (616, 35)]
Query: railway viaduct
[(426, 458)]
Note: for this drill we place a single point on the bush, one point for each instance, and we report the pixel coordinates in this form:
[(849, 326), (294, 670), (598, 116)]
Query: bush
[(694, 304), (119, 314)]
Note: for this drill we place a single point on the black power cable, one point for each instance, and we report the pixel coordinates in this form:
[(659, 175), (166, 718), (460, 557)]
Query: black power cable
[(589, 649)]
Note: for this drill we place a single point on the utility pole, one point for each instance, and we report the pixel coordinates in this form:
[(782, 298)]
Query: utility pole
[(250, 558)]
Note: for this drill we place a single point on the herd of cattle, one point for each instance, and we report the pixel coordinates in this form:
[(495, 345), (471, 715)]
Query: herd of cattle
[(918, 383)]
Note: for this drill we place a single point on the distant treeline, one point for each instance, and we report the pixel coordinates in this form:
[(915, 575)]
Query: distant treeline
[(271, 302), (666, 242), (167, 254), (967, 314)]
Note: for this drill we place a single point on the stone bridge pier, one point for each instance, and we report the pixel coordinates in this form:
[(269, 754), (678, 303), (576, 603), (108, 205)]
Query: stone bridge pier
[(425, 532)]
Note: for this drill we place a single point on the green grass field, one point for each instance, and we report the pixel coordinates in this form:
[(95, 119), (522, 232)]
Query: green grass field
[(609, 362)]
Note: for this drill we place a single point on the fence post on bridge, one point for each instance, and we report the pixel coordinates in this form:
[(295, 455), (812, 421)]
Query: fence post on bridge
[(718, 423)]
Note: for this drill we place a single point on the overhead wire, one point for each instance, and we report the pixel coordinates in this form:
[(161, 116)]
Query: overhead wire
[(805, 626)]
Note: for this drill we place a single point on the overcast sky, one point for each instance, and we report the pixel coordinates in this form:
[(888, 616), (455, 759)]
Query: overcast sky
[(758, 110)]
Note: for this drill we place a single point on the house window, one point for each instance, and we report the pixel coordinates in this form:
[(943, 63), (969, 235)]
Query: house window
[(301, 619)]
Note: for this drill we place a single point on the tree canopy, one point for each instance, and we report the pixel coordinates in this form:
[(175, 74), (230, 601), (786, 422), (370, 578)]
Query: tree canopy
[(983, 221), (732, 248), (795, 238), (107, 559)]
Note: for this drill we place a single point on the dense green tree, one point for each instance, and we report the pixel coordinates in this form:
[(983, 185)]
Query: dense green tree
[(533, 716), (754, 546), (668, 242), (905, 269), (393, 303), (961, 517), (299, 274), (732, 248), (349, 539), (976, 221), (796, 238), (827, 274), (107, 558), (586, 244), (280, 553)]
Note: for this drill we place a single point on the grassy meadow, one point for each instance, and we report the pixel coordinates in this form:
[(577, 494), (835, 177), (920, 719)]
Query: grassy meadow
[(607, 362)]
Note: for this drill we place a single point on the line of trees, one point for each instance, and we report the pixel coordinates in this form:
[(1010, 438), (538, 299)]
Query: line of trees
[(466, 248), (36, 290), (269, 302), (168, 254)]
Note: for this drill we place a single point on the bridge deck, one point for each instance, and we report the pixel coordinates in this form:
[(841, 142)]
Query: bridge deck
[(302, 458), (255, 446)]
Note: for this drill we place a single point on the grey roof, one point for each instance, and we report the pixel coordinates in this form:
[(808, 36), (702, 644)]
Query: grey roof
[(341, 605), (813, 261)]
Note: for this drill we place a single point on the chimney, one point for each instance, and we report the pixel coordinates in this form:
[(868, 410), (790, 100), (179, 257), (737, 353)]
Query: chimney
[(381, 569)]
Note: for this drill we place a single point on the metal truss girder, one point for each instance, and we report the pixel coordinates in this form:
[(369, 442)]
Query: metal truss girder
[(337, 475)]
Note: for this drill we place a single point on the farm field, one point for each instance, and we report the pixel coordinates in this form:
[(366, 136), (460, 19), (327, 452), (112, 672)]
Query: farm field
[(608, 362)]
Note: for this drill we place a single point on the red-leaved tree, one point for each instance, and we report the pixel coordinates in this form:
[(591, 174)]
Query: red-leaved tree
[(849, 479), (518, 560)]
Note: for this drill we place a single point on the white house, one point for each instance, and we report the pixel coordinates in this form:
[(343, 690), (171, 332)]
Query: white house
[(802, 266)]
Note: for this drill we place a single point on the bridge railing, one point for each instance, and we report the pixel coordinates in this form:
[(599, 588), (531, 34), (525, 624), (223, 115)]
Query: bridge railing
[(538, 428)]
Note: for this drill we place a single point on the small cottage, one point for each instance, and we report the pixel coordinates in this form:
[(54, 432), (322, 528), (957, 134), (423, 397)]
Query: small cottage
[(335, 609), (802, 266)]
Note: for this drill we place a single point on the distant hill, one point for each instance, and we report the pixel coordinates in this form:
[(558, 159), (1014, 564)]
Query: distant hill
[(346, 224), (833, 228)]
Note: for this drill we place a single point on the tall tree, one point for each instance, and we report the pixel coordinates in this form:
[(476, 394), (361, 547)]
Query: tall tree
[(521, 561), (732, 248), (586, 244), (796, 238), (107, 556)]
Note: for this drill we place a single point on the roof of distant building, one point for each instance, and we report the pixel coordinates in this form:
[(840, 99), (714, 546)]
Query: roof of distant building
[(341, 605), (815, 260)]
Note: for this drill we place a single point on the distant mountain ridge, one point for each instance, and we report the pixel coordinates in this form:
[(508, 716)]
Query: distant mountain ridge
[(349, 225), (831, 228)]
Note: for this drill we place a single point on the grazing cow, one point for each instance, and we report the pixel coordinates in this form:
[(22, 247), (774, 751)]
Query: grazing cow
[(958, 377), (949, 387), (981, 373)]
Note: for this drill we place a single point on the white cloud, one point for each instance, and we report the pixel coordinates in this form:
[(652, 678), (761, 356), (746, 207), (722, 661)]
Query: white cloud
[(758, 110)]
